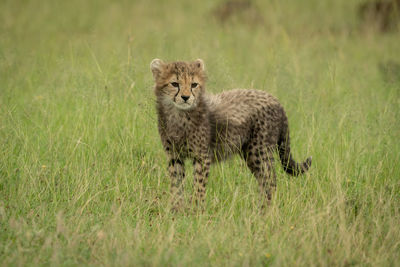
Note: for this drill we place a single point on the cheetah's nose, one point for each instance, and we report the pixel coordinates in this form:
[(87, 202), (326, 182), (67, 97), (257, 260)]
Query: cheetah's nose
[(185, 98)]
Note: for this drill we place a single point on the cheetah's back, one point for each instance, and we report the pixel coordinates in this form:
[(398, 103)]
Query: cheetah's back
[(236, 114)]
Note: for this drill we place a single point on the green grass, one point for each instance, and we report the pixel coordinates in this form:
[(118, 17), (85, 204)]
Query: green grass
[(83, 177)]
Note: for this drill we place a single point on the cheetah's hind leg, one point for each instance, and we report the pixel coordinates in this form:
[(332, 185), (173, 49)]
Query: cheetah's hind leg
[(260, 160)]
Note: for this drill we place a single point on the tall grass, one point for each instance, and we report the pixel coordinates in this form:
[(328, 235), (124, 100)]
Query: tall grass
[(83, 177)]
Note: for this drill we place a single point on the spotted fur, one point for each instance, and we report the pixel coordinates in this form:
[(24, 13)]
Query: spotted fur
[(208, 128)]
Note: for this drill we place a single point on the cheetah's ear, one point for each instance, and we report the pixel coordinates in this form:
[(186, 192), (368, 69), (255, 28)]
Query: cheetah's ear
[(156, 67), (199, 64)]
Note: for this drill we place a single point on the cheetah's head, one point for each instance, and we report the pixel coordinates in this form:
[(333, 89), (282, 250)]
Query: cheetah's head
[(179, 83)]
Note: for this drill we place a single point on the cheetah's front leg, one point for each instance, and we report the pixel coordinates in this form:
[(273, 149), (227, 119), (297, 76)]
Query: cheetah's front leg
[(176, 171), (201, 170)]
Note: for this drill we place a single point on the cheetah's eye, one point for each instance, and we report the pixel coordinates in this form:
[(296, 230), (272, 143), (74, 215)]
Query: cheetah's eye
[(194, 85), (174, 84)]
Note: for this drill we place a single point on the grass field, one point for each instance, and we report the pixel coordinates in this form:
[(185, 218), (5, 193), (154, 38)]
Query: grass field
[(83, 176)]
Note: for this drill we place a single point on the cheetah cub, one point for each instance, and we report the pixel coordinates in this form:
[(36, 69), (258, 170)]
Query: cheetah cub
[(208, 128)]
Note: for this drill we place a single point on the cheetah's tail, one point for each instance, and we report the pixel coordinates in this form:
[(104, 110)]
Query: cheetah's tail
[(289, 164)]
